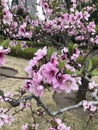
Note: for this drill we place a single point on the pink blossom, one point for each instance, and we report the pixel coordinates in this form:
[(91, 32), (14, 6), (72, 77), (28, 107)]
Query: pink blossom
[(22, 29), (54, 59), (4, 118), (25, 126), (76, 54), (48, 72), (26, 86), (13, 43), (58, 121), (34, 86), (86, 15), (69, 84), (28, 104), (22, 105), (64, 83), (30, 68), (74, 1), (79, 15), (96, 39), (48, 13), (4, 3), (79, 38), (91, 27), (13, 25), (37, 78), (71, 68), (34, 23), (79, 65), (92, 40), (93, 108), (41, 53), (9, 119), (72, 9), (64, 50), (37, 90), (57, 83), (64, 53), (60, 125), (88, 106), (8, 96), (2, 55), (77, 51), (23, 45), (1, 123), (92, 85), (7, 19), (44, 5), (35, 126), (28, 34)]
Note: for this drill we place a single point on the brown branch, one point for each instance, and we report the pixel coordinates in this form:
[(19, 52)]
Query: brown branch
[(14, 77), (15, 103)]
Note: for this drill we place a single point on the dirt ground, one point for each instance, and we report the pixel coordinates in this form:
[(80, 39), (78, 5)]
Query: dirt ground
[(76, 118)]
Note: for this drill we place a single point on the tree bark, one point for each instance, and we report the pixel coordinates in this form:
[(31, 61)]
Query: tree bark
[(81, 94)]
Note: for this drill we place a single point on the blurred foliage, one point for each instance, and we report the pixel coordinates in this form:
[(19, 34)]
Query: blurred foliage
[(94, 60), (94, 15), (27, 53)]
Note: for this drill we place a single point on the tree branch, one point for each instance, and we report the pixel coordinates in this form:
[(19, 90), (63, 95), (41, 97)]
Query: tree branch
[(95, 95), (14, 77), (40, 103)]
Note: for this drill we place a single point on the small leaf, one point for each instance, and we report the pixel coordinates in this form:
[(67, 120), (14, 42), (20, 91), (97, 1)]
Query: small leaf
[(96, 28), (90, 65), (67, 71), (94, 72), (61, 65), (50, 51), (79, 72)]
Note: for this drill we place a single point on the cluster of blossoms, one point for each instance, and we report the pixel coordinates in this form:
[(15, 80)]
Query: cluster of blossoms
[(50, 73), (75, 24), (59, 125), (45, 7), (4, 118), (92, 85), (33, 127), (7, 96), (7, 17), (88, 106)]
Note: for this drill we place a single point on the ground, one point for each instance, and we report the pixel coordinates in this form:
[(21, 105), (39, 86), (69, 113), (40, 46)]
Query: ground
[(75, 118)]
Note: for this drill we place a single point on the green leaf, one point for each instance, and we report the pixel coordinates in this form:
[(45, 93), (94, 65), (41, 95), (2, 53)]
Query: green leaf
[(1, 93), (94, 72), (5, 42), (50, 51), (67, 71), (61, 65), (96, 28), (79, 72), (90, 65)]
